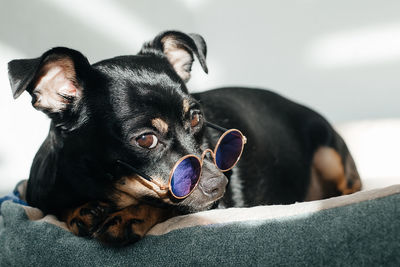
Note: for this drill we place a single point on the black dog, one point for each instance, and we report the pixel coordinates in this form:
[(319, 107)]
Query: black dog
[(137, 109)]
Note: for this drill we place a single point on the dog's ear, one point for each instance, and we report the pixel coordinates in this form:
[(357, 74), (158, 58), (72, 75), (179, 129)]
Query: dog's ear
[(54, 80), (179, 48)]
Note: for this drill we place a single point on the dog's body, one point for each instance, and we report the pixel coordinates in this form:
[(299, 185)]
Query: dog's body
[(137, 109), (287, 142)]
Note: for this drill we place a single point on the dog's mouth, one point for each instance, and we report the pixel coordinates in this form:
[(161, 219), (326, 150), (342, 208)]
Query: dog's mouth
[(196, 207)]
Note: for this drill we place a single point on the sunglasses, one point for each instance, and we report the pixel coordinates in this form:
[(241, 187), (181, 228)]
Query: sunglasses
[(185, 174)]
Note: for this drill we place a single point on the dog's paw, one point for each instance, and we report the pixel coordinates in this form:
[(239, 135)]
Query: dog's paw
[(84, 220), (128, 225)]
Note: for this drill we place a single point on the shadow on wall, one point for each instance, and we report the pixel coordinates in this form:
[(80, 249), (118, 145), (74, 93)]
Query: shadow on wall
[(98, 28)]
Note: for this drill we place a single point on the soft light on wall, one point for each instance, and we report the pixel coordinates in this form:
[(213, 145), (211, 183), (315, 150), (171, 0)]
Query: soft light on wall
[(369, 45)]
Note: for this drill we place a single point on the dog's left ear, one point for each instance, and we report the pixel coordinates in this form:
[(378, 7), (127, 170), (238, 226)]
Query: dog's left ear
[(179, 48)]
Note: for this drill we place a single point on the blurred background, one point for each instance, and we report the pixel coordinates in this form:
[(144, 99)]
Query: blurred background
[(341, 57)]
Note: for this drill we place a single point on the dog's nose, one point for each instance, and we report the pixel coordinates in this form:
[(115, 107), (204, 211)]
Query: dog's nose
[(214, 187)]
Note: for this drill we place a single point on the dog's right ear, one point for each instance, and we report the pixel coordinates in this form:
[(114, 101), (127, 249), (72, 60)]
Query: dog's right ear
[(55, 80), (179, 49)]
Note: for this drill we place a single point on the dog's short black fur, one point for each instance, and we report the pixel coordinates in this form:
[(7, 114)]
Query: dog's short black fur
[(137, 109)]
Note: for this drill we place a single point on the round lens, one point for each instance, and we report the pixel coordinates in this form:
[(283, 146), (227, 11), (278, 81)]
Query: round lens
[(229, 150), (185, 177)]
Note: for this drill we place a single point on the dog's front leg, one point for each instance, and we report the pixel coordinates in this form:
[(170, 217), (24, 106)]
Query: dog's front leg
[(85, 220), (130, 224)]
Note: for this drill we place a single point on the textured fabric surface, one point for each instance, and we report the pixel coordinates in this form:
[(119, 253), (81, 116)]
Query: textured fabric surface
[(362, 234), (16, 195)]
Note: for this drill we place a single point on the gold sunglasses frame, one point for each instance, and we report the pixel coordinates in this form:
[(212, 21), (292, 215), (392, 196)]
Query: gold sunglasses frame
[(203, 155), (200, 159)]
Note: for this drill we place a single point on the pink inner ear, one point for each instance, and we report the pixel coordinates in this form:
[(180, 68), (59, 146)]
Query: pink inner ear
[(60, 81), (180, 59), (55, 87)]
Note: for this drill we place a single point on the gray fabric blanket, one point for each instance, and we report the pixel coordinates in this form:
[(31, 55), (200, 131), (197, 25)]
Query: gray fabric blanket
[(362, 229)]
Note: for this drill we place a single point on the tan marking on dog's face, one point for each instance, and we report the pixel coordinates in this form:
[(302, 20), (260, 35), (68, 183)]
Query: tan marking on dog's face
[(132, 188), (186, 106), (123, 199), (160, 124)]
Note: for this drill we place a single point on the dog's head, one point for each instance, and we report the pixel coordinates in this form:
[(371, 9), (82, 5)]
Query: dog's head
[(131, 108)]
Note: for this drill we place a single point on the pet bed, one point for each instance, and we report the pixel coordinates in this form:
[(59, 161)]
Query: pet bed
[(359, 229)]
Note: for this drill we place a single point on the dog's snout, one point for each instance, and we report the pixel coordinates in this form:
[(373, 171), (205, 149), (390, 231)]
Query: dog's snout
[(214, 187)]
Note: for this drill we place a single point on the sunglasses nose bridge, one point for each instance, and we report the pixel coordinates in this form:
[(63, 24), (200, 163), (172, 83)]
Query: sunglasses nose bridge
[(203, 155)]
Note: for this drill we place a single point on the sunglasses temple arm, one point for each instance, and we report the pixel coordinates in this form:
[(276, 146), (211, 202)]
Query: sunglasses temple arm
[(216, 127), (128, 166)]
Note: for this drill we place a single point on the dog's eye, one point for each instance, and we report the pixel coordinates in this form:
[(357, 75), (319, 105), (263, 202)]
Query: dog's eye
[(195, 120), (147, 141)]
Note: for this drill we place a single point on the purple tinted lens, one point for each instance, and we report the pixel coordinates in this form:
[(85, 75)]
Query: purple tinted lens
[(229, 150), (185, 177)]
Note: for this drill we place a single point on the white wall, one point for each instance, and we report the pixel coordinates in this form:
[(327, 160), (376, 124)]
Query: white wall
[(340, 57)]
